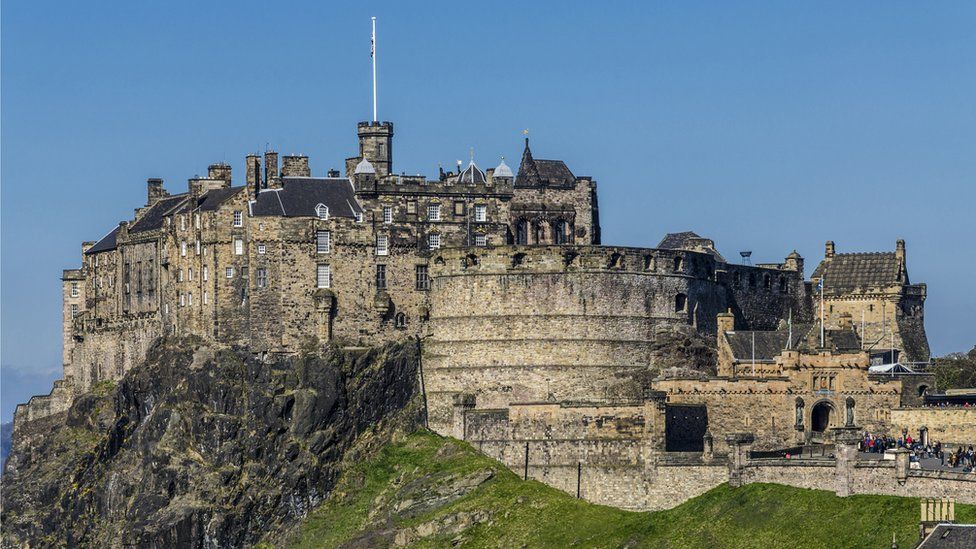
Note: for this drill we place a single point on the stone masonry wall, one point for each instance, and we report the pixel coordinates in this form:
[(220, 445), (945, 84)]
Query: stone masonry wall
[(946, 425)]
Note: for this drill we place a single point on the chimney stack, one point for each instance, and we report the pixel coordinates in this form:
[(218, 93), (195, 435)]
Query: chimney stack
[(295, 165), (726, 322), (253, 166), (154, 190), (219, 172), (271, 177), (900, 250), (829, 251)]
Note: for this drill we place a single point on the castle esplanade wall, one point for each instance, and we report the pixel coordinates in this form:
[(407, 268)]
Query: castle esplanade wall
[(556, 323)]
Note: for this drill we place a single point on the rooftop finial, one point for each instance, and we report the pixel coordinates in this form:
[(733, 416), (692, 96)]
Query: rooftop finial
[(525, 132)]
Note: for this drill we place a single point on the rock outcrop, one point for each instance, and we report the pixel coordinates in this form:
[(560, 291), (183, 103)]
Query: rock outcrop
[(203, 448)]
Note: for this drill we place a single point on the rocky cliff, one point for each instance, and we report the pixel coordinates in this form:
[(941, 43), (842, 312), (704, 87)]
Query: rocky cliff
[(203, 448)]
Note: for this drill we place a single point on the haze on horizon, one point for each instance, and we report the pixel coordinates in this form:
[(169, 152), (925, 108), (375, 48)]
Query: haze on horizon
[(763, 126)]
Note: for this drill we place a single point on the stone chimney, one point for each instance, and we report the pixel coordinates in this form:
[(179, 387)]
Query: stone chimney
[(154, 190), (219, 172), (726, 322), (295, 165), (271, 177), (252, 165), (829, 250), (900, 251)]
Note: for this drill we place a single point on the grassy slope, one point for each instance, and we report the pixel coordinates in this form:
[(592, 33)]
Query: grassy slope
[(534, 515)]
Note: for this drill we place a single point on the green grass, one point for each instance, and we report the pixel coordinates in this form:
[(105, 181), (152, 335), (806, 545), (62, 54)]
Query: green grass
[(528, 513)]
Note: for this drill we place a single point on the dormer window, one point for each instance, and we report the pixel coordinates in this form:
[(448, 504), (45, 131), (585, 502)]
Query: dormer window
[(322, 211)]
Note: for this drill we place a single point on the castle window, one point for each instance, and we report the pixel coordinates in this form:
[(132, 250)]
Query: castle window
[(74, 311), (480, 213), (323, 242), (423, 279), (433, 241), (736, 279), (238, 218), (382, 244), (459, 208), (205, 298), (434, 212), (783, 286), (560, 233), (323, 275), (198, 247), (680, 303), (400, 320), (480, 240), (196, 220), (677, 264), (206, 273), (165, 308), (182, 222), (522, 232), (322, 211), (412, 207), (261, 275), (238, 246), (179, 275), (381, 277), (74, 289), (262, 248), (752, 280), (387, 214), (189, 298), (189, 274), (182, 300), (183, 248), (229, 272), (767, 282)]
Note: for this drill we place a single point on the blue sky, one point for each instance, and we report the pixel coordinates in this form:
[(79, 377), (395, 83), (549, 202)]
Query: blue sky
[(763, 125)]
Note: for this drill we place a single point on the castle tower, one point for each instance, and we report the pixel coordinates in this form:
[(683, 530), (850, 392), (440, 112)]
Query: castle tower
[(376, 145)]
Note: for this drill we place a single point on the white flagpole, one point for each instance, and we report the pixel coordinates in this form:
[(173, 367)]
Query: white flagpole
[(789, 341), (372, 54)]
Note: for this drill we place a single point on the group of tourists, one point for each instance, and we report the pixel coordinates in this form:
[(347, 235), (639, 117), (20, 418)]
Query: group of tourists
[(960, 457)]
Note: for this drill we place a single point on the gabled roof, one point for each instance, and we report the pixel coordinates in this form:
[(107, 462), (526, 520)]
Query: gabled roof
[(300, 196), (105, 244), (845, 272), (806, 337), (214, 198), (538, 173), (950, 536), (152, 219), (676, 241)]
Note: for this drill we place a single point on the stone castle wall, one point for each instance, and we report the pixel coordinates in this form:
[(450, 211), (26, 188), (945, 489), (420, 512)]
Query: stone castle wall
[(946, 425)]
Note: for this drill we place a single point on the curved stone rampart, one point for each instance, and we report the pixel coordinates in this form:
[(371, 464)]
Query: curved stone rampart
[(521, 324)]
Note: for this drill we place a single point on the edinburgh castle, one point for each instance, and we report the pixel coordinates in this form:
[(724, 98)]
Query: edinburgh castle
[(650, 371)]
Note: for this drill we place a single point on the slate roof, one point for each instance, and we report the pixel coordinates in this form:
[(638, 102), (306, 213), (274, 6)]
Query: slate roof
[(105, 244), (676, 241), (845, 272), (153, 218), (806, 337), (950, 536), (214, 198), (472, 175), (300, 196), (537, 173)]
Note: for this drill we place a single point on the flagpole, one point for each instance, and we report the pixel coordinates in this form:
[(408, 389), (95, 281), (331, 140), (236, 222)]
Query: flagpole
[(373, 56), (789, 341)]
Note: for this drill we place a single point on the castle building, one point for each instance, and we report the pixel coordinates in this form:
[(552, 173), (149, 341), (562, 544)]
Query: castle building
[(534, 333)]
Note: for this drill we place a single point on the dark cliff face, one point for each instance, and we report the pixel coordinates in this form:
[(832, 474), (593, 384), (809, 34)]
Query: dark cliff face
[(197, 449)]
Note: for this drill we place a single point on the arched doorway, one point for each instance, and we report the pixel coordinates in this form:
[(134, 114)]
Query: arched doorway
[(820, 417)]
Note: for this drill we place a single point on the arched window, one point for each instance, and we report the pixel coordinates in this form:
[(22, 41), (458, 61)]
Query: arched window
[(783, 286), (322, 211), (400, 320), (522, 232), (560, 232), (680, 303), (799, 413), (752, 280)]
